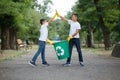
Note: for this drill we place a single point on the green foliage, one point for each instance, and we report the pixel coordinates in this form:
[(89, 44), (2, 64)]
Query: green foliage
[(110, 13), (115, 33), (98, 35), (43, 6), (23, 16), (64, 30), (56, 28), (13, 13), (88, 15)]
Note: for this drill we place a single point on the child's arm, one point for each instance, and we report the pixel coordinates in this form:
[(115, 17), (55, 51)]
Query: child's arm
[(76, 32), (71, 36), (51, 19), (65, 19)]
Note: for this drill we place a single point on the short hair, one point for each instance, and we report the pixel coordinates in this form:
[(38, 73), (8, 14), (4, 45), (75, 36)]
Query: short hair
[(75, 14), (41, 21)]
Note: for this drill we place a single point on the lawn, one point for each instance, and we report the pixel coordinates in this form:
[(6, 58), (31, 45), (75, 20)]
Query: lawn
[(9, 54), (99, 51)]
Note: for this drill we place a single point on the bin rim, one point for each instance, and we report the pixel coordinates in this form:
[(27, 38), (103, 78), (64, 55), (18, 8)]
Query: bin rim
[(59, 41)]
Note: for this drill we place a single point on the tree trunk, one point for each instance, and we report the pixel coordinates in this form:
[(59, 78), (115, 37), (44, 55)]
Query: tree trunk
[(8, 38), (90, 39), (106, 33), (119, 3), (4, 38), (12, 40), (0, 32), (0, 38), (16, 44), (105, 30), (116, 51)]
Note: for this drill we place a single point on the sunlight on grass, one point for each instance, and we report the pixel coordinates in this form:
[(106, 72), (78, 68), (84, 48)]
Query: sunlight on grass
[(99, 51), (34, 46), (9, 54)]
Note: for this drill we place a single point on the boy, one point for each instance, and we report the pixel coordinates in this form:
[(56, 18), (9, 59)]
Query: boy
[(73, 37), (42, 42)]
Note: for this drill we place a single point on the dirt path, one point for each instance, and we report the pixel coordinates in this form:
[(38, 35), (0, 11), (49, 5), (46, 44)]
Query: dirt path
[(97, 67)]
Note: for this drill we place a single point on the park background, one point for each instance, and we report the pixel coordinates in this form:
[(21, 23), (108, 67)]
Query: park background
[(100, 38), (99, 19)]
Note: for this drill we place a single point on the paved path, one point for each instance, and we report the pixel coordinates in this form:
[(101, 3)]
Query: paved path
[(97, 67)]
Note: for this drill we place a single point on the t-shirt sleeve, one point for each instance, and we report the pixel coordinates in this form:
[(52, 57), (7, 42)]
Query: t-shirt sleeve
[(46, 24), (69, 21), (78, 26)]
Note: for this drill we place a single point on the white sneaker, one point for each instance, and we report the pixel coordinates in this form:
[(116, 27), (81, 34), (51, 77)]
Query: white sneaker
[(32, 64), (66, 64), (81, 63)]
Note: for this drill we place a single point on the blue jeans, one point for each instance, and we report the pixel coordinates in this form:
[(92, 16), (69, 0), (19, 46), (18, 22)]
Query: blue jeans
[(41, 50), (76, 42)]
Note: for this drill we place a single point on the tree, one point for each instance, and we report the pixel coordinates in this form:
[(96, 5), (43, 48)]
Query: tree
[(11, 19), (18, 19), (106, 32), (99, 13), (86, 11), (116, 51), (39, 11), (116, 29), (43, 6), (108, 15)]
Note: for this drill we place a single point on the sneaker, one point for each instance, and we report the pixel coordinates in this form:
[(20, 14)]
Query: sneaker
[(81, 63), (45, 64), (66, 64), (32, 64)]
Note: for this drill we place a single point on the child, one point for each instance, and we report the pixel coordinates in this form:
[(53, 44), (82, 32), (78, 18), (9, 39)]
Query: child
[(73, 38), (42, 42)]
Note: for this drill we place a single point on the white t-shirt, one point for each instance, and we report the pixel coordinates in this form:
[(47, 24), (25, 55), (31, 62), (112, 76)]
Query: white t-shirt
[(73, 27), (44, 32)]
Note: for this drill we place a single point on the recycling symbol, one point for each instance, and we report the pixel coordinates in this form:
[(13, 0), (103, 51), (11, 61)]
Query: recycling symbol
[(59, 51)]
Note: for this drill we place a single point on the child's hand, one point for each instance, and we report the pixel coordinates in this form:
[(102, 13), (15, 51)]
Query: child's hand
[(49, 41), (70, 37), (53, 17), (57, 13)]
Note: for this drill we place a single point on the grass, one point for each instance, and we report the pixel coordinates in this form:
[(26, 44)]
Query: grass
[(9, 54), (99, 51), (35, 46)]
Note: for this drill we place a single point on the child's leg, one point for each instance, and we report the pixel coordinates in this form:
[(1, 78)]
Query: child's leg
[(41, 46), (71, 43), (43, 55), (77, 44)]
